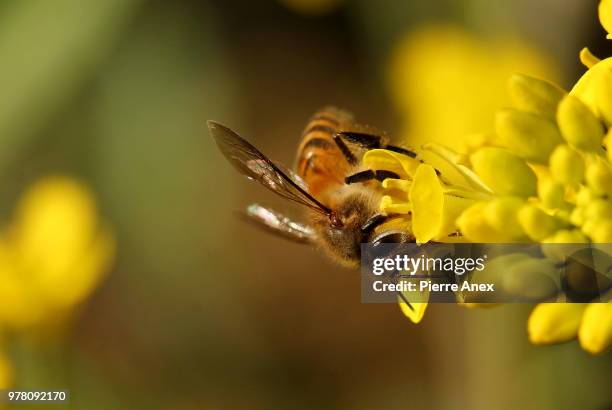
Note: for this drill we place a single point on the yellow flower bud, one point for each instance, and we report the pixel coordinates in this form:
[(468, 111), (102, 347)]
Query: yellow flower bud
[(501, 214), (601, 231), (598, 209), (474, 226), (578, 125), (551, 193), (495, 270), (504, 172), (595, 333), (536, 223), (603, 95), (528, 135), (589, 226), (599, 177), (577, 217), (572, 237), (585, 196), (554, 322), (608, 144), (566, 165), (567, 236), (605, 16), (534, 95), (475, 141), (532, 278)]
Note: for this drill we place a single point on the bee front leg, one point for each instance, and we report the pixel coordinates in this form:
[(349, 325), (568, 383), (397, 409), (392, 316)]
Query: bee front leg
[(395, 279), (373, 141), (368, 175)]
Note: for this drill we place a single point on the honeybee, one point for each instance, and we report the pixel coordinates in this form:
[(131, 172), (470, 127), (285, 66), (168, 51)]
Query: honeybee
[(340, 199)]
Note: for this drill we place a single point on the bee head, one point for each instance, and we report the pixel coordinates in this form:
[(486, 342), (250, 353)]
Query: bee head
[(341, 233)]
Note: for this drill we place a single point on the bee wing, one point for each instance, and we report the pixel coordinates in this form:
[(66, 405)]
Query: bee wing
[(279, 224), (249, 161), (294, 177)]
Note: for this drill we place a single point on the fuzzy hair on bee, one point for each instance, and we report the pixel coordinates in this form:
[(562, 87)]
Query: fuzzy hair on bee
[(354, 206)]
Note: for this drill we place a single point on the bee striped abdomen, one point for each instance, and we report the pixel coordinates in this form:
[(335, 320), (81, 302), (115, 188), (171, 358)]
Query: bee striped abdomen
[(320, 163)]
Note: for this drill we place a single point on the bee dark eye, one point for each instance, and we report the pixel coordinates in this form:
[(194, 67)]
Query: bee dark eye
[(335, 221)]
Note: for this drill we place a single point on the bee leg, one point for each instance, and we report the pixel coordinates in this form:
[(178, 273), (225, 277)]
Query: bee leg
[(367, 141), (368, 175), (401, 150), (372, 141), (352, 159), (395, 279)]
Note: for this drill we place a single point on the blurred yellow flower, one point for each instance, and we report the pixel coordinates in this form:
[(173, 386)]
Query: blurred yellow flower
[(6, 371), (447, 83), (53, 254)]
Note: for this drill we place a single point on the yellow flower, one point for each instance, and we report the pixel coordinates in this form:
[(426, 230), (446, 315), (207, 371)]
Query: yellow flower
[(554, 322), (53, 254), (414, 312), (543, 175), (595, 333), (561, 322), (448, 83)]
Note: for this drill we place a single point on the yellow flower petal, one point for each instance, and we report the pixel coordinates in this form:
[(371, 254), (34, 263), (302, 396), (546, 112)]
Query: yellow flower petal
[(554, 322), (415, 312), (390, 205), (449, 164), (427, 200), (402, 165), (591, 83), (400, 184), (595, 334), (453, 207)]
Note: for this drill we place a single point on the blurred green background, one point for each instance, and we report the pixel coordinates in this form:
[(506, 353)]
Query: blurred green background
[(202, 311)]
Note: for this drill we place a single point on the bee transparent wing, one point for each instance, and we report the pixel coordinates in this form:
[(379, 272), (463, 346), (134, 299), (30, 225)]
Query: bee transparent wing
[(294, 177), (250, 162), (279, 224)]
